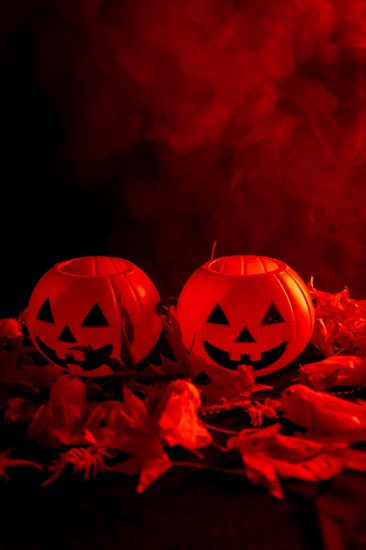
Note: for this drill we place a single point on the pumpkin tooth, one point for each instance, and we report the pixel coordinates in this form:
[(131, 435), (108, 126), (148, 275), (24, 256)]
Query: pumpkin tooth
[(256, 356), (235, 356), (75, 355)]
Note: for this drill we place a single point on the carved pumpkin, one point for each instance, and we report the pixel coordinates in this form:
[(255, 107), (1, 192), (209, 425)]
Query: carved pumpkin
[(246, 310), (86, 311)]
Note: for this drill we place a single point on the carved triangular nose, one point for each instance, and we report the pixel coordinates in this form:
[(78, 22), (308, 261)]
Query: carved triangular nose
[(245, 336), (67, 336)]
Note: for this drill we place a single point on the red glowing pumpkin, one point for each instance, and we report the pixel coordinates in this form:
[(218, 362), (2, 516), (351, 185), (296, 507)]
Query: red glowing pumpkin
[(246, 310), (87, 311)]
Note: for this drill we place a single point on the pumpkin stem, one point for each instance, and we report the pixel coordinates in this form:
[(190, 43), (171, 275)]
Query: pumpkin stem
[(213, 250)]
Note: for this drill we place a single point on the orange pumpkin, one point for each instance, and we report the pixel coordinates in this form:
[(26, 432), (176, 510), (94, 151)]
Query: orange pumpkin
[(83, 312), (246, 310)]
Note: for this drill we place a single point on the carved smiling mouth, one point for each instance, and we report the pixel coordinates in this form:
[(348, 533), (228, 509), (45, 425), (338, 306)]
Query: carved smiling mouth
[(94, 358), (222, 357)]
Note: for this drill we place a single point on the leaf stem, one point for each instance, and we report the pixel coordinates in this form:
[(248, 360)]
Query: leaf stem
[(221, 430)]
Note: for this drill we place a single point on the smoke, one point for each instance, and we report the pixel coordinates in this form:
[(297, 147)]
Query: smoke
[(236, 121)]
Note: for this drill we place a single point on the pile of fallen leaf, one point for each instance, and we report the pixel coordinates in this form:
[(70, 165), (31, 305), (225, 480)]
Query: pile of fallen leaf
[(133, 423)]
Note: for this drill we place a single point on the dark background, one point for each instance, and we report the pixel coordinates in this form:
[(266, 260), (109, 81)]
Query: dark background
[(148, 129)]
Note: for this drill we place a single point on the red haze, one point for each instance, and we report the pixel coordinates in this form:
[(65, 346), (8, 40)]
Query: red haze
[(241, 122)]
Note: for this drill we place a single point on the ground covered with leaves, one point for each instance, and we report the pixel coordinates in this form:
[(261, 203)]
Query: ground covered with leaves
[(308, 422)]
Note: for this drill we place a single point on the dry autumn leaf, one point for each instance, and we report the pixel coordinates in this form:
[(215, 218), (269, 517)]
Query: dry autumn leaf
[(177, 417), (146, 458), (319, 413), (340, 322), (269, 457), (338, 370)]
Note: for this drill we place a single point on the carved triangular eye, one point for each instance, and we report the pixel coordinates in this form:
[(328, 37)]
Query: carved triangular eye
[(95, 318), (272, 316), (45, 313), (218, 317)]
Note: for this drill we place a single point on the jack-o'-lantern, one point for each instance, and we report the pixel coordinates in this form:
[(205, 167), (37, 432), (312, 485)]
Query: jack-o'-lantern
[(246, 310), (86, 312)]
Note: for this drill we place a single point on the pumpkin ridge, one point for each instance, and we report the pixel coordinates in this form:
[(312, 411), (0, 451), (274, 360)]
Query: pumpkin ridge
[(305, 296), (263, 264), (281, 283)]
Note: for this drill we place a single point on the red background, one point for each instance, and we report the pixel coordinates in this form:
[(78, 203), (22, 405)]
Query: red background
[(151, 128)]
